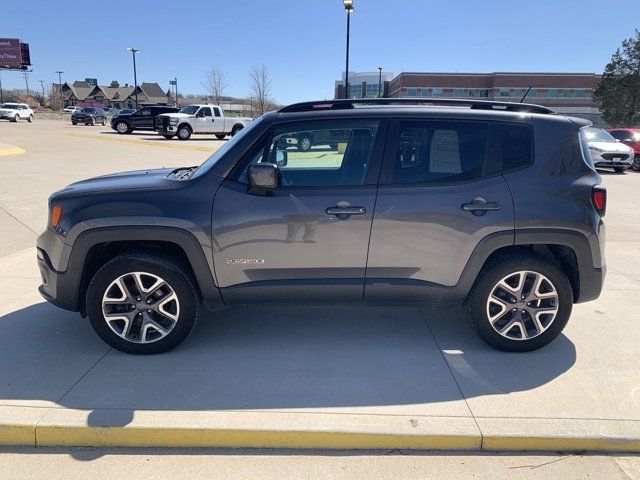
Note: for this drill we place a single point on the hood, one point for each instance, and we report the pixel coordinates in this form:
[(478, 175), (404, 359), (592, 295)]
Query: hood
[(616, 147), (176, 115), (139, 179)]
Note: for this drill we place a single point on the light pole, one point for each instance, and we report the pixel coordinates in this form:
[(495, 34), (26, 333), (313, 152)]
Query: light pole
[(60, 72), (135, 74), (1, 94), (379, 81), (348, 7), (174, 82)]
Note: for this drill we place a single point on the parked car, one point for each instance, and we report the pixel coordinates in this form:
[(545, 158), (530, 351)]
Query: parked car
[(71, 109), (630, 137), (126, 111), (16, 111), (142, 119), (198, 119), (606, 151), (89, 116), (497, 206)]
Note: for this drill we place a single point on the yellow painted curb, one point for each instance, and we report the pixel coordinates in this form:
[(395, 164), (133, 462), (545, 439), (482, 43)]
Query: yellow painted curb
[(17, 435), (155, 143), (12, 151), (183, 438), (559, 444)]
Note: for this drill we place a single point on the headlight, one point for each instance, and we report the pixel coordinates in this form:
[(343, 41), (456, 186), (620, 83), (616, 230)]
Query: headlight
[(597, 149), (173, 121)]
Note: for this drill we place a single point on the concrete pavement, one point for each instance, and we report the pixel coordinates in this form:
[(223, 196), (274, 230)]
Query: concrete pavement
[(309, 377)]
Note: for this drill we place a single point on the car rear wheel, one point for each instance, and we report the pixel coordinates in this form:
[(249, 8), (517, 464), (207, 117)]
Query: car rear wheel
[(184, 132), (235, 130), (304, 143), (636, 163), (520, 303), (30, 119), (142, 303), (15, 118), (122, 127), (220, 137)]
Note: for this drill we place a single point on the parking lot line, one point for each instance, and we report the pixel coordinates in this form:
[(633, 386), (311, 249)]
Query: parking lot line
[(6, 149), (142, 142)]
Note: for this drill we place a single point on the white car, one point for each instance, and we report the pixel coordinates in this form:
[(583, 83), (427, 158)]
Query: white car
[(198, 119), (606, 151), (16, 111), (71, 109)]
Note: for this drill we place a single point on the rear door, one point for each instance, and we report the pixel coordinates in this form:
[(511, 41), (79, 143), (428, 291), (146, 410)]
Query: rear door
[(307, 239), (441, 193)]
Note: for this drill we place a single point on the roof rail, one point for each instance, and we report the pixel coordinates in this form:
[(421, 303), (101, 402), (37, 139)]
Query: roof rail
[(472, 104)]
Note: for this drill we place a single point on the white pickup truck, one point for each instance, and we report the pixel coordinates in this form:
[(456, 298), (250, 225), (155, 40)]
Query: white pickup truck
[(198, 119)]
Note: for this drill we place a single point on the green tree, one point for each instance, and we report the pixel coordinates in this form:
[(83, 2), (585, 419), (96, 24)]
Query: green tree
[(619, 90)]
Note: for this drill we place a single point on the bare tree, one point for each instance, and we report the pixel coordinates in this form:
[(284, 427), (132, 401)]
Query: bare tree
[(260, 87), (215, 84)]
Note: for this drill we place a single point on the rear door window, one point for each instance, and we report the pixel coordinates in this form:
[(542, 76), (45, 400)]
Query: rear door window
[(441, 151)]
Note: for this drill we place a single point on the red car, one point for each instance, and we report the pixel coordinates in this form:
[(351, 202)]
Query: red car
[(631, 137)]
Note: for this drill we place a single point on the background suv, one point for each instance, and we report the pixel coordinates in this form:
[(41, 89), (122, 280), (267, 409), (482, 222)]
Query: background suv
[(89, 116), (142, 119), (630, 137), (16, 111), (493, 205)]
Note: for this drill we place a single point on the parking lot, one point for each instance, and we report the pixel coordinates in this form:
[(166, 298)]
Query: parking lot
[(313, 377)]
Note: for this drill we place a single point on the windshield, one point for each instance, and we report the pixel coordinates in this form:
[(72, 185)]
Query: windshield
[(597, 135), (88, 110), (189, 109), (218, 154)]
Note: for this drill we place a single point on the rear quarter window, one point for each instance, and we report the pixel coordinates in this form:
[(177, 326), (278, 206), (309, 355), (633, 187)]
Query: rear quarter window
[(516, 146)]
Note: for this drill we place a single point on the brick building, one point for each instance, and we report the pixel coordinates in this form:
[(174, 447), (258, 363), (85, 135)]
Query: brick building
[(567, 93)]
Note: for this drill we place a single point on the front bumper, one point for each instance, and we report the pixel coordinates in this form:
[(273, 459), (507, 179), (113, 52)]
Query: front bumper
[(58, 287), (612, 159)]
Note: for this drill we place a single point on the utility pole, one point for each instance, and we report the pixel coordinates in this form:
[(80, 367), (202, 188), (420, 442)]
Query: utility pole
[(26, 79), (60, 72), (42, 85), (1, 94)]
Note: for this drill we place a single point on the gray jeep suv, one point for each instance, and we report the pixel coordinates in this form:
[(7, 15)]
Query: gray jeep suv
[(492, 204)]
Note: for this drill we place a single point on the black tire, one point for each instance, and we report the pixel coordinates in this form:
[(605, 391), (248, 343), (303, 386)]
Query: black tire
[(636, 163), (122, 128), (305, 143), (183, 132), (104, 122), (236, 129), (168, 270), (221, 136), (30, 119), (619, 169), (15, 119), (91, 122), (74, 123), (168, 137), (491, 274)]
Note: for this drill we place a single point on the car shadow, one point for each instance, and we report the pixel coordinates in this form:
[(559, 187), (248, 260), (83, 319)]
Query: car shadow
[(254, 358)]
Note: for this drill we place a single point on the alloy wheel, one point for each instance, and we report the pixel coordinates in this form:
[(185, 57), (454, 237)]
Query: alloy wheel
[(140, 307), (122, 127), (522, 305)]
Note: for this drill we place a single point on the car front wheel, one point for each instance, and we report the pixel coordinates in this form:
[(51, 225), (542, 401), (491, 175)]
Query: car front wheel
[(122, 127), (30, 119), (142, 303), (184, 132), (636, 163), (520, 303), (15, 118)]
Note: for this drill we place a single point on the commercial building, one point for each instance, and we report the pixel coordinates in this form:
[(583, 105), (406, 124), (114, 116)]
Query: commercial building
[(363, 84), (113, 95), (567, 93)]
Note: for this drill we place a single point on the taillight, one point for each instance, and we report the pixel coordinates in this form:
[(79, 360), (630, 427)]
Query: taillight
[(599, 199)]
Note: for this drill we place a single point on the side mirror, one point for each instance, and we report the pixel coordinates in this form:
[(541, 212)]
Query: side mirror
[(262, 177), (200, 115)]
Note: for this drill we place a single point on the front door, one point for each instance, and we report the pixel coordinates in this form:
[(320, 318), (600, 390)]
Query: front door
[(203, 122), (441, 192), (307, 239)]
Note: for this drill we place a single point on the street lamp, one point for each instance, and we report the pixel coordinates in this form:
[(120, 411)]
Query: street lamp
[(135, 75), (348, 7), (174, 82), (60, 72), (379, 81)]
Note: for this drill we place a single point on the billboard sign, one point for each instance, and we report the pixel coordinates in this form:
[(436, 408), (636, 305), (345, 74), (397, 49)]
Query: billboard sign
[(10, 53), (91, 81)]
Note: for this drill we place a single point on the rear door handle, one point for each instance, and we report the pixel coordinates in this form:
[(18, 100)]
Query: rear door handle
[(346, 212), (479, 206)]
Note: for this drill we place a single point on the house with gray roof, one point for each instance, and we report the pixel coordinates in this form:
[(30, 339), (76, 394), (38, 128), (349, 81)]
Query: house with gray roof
[(113, 95)]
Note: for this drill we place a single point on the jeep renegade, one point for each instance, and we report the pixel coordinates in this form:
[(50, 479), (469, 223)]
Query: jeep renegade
[(495, 205)]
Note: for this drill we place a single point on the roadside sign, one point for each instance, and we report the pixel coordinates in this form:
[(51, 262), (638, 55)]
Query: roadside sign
[(10, 53), (91, 81), (172, 82)]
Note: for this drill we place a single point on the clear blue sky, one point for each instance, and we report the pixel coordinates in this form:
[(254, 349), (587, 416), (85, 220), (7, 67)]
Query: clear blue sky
[(302, 41)]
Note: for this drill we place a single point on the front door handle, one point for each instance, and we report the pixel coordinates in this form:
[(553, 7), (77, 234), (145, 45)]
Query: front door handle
[(479, 206), (345, 212)]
